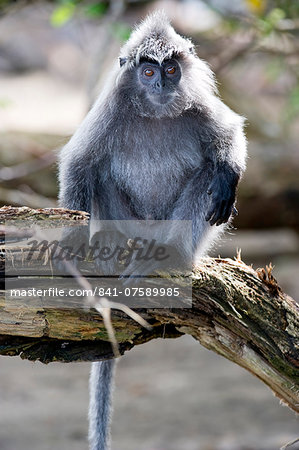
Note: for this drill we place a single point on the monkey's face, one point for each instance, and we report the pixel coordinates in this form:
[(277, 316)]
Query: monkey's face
[(159, 83)]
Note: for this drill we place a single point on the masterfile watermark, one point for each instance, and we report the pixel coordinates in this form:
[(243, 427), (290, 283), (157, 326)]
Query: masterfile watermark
[(138, 249), (139, 263)]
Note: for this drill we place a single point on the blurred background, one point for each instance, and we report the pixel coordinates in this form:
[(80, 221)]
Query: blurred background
[(170, 395)]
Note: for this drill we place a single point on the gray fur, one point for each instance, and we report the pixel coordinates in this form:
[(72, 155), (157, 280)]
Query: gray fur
[(134, 158), (100, 388)]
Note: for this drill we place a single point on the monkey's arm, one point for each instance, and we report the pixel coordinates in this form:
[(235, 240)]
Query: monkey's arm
[(82, 160), (78, 160), (192, 205), (75, 184), (227, 149), (222, 192)]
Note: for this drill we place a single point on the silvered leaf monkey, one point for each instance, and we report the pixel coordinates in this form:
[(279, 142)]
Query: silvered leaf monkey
[(159, 144)]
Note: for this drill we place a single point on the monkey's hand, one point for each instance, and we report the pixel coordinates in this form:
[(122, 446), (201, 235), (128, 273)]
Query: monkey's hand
[(222, 190)]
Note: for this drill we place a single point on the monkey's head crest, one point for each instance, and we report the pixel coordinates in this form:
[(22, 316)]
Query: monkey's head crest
[(154, 39)]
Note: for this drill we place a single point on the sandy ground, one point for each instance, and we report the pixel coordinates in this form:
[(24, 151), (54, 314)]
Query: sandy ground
[(170, 395)]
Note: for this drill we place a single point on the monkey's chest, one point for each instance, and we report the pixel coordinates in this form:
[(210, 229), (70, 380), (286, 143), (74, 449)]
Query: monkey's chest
[(153, 177)]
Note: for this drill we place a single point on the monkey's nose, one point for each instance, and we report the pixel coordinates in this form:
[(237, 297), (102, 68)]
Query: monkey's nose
[(160, 84)]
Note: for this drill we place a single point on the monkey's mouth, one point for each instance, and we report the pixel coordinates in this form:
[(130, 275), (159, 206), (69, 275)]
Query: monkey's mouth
[(162, 99)]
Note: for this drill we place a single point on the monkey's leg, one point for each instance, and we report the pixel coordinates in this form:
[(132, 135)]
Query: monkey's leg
[(111, 209), (193, 205), (111, 203), (100, 388)]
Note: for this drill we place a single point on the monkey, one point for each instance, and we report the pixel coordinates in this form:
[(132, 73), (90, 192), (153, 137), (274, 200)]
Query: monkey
[(158, 144)]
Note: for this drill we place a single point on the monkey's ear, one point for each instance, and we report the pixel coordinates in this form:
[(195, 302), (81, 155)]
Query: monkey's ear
[(122, 61)]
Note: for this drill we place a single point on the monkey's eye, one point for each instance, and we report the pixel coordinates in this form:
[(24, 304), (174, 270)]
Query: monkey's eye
[(148, 72), (171, 70)]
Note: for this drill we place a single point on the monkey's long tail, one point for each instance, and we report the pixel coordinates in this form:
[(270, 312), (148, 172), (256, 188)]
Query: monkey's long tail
[(100, 391)]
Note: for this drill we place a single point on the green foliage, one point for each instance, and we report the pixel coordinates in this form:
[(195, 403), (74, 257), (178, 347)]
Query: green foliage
[(269, 23), (63, 13), (96, 10), (292, 110), (232, 24), (120, 31), (290, 7), (67, 8), (262, 8), (3, 5)]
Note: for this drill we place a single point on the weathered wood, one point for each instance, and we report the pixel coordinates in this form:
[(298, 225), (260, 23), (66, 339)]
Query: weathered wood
[(238, 312), (14, 214)]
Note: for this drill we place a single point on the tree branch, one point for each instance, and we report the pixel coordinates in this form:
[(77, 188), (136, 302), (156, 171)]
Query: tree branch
[(238, 312)]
